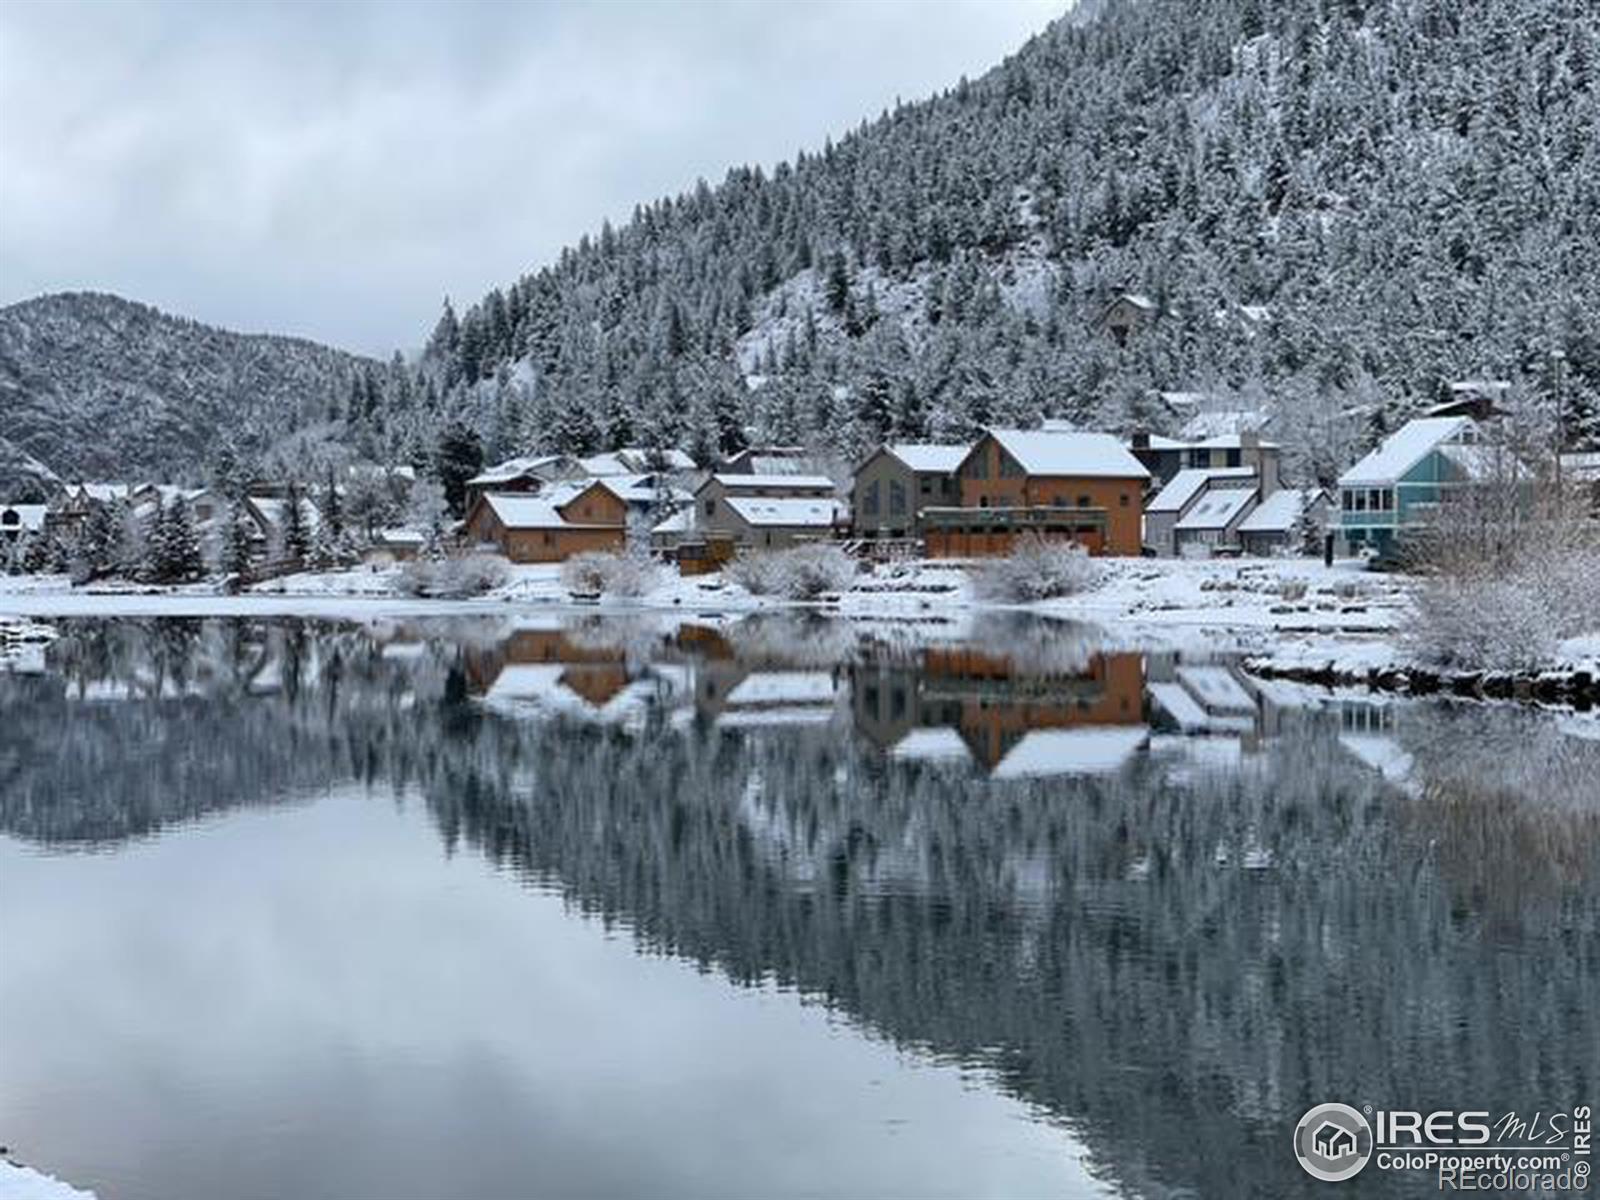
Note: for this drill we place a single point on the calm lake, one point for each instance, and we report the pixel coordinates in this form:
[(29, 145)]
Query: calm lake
[(775, 907)]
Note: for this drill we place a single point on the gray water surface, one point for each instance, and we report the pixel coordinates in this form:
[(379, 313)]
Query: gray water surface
[(780, 907)]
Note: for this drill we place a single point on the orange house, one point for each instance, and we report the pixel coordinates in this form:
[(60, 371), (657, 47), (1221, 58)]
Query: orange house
[(549, 529), (1081, 487)]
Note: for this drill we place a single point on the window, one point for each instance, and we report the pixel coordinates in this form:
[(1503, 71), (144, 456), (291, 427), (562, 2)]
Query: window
[(1361, 501), (1348, 500), (925, 485), (1010, 468), (983, 502), (869, 503), (1084, 502), (977, 466), (897, 498), (1123, 499), (711, 507), (10, 517), (1233, 458)]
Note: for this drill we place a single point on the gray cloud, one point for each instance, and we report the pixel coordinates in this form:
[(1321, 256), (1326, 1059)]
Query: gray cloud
[(331, 169)]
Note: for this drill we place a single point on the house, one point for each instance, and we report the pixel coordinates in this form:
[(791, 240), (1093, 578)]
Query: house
[(1400, 485), (1244, 449), (71, 508), (1125, 316), (1278, 524), (777, 523), (534, 529), (901, 479), (1082, 487), (1182, 494), (1212, 523), (21, 520), (523, 476), (1162, 456), (395, 545), (646, 495), (270, 514), (636, 460), (712, 516)]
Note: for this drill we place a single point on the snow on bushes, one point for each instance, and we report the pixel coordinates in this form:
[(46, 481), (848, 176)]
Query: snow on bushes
[(455, 578), (1508, 618), (802, 572), (1036, 569), (598, 572)]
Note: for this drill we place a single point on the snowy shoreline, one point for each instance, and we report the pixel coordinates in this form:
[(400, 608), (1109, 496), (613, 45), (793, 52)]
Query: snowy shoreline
[(1287, 618)]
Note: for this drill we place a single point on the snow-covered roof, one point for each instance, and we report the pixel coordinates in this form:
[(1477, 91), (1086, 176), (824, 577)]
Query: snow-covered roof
[(1157, 441), (1138, 300), (643, 489), (937, 744), (1189, 400), (274, 508), (785, 511), (1045, 452), (29, 517), (681, 521), (1402, 450), (784, 687), (1277, 513), (1217, 509), (1189, 483), (928, 456), (1088, 750), (525, 512), (1582, 464), (1216, 687), (799, 483), (105, 493), (513, 468), (1480, 387), (402, 537), (1224, 421), (1179, 705)]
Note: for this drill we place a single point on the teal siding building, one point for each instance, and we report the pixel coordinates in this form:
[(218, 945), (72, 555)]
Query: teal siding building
[(1401, 483)]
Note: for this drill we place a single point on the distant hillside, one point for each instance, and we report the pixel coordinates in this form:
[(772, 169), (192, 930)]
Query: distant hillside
[(1335, 205), (94, 386)]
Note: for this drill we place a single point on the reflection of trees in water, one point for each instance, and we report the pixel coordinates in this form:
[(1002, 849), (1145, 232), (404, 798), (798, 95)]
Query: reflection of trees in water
[(1100, 942), (1178, 960)]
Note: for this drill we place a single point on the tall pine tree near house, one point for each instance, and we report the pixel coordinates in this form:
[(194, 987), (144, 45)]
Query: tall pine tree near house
[(459, 457), (295, 531), (237, 540)]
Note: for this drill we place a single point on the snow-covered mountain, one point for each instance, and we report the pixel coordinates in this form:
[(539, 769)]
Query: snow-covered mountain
[(95, 386)]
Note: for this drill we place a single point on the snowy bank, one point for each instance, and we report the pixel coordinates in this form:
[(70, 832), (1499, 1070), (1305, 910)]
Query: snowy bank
[(24, 1183)]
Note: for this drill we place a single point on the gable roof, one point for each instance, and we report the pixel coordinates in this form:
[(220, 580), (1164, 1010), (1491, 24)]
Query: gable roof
[(785, 511), (528, 512), (515, 468), (1084, 750), (1278, 512), (1402, 450), (1048, 452), (1217, 509), (928, 456), (801, 483), (1189, 483)]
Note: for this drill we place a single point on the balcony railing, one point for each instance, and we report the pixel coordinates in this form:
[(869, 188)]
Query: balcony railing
[(1039, 517)]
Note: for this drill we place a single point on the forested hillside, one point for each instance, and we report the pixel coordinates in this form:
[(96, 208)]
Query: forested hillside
[(94, 386), (1336, 205)]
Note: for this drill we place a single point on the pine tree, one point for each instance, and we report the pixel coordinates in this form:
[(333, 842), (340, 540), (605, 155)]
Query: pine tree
[(237, 540), (295, 533), (459, 457)]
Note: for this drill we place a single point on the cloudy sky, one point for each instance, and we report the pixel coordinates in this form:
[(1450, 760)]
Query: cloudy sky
[(332, 170)]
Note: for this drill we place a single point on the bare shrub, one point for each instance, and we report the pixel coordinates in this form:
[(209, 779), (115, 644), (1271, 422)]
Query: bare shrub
[(599, 572), (802, 572), (1036, 569), (455, 578), (1292, 590)]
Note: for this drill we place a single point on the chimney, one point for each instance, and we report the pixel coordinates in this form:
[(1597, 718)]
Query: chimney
[(1249, 440), (1141, 440)]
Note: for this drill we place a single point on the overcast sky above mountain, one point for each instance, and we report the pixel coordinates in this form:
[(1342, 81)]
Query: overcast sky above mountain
[(331, 171)]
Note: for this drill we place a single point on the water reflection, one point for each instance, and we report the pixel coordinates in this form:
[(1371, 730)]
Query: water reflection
[(1168, 904)]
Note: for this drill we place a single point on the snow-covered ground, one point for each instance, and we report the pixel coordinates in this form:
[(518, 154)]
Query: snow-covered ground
[(24, 1183)]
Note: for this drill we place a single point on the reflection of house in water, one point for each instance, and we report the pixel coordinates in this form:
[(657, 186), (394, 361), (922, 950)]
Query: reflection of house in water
[(1368, 730), (547, 669), (958, 702), (733, 694)]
